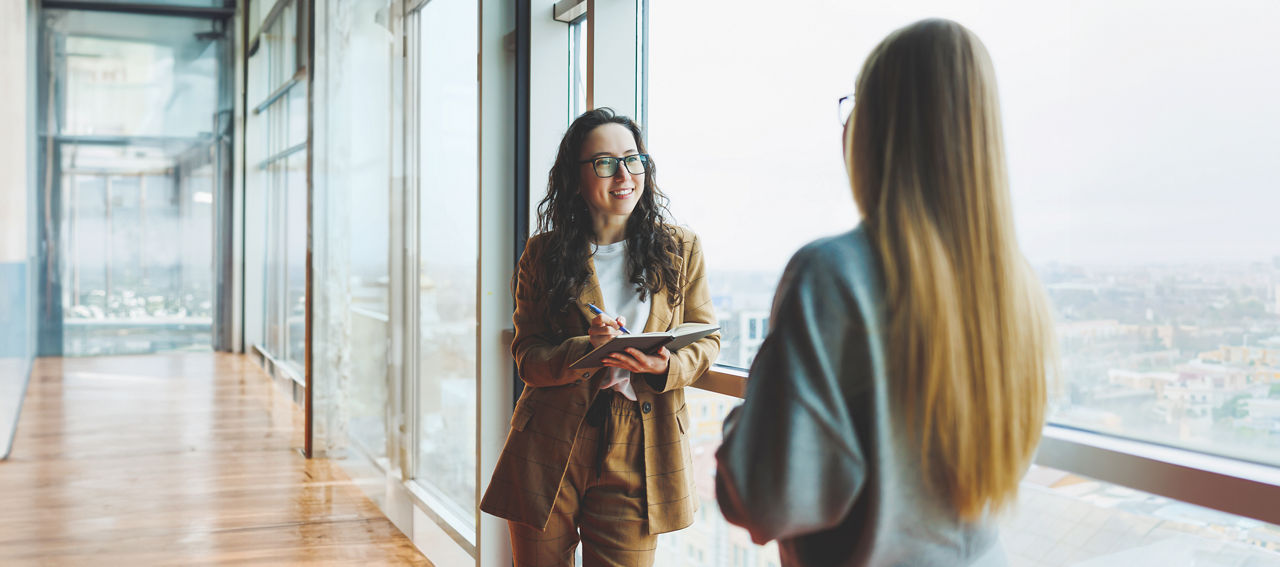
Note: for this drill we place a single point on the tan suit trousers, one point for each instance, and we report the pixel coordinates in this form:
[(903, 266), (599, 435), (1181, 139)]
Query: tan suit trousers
[(606, 513)]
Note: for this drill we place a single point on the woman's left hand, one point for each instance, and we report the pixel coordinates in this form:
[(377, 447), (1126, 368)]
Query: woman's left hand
[(640, 363)]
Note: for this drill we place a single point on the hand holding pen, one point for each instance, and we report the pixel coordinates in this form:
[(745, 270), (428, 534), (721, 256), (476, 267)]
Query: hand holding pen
[(603, 327), (601, 312)]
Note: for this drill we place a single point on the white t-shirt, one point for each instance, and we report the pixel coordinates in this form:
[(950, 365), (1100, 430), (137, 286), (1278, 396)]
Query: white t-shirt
[(620, 300)]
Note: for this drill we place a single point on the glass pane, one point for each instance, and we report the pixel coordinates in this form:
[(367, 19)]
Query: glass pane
[(710, 540), (356, 182), (295, 222), (274, 273), (1150, 225), (137, 97), (781, 166), (130, 75), (280, 45), (577, 69), (190, 213), (1064, 519), (297, 115), (448, 217)]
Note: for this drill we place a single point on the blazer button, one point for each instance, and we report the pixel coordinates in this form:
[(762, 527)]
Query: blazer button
[(646, 407), (586, 374)]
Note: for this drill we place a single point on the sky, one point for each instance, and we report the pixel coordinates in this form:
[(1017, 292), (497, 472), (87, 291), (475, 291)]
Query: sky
[(1136, 131)]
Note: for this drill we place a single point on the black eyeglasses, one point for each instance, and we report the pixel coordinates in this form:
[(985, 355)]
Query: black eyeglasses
[(845, 107), (608, 166)]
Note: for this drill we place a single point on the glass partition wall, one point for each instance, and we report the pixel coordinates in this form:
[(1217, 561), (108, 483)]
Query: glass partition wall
[(134, 170)]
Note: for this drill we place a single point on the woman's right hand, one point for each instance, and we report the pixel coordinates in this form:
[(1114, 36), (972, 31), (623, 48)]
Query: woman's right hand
[(603, 329)]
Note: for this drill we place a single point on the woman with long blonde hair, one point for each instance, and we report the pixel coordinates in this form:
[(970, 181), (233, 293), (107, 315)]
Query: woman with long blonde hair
[(900, 394)]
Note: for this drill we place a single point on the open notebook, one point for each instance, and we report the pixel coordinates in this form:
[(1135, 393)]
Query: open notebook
[(646, 342)]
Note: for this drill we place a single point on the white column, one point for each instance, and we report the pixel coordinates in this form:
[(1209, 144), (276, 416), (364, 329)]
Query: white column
[(497, 213)]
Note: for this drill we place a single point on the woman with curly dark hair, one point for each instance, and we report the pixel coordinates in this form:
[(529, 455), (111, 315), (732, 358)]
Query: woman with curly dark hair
[(601, 456)]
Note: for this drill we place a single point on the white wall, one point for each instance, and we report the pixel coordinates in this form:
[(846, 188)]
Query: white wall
[(13, 143), (17, 307)]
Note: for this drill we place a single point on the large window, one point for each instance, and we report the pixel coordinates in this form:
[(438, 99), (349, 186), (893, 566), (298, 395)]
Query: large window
[(446, 187), (1140, 145), (277, 189), (353, 185), (1166, 299)]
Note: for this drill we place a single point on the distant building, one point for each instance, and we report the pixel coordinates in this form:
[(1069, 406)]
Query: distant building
[(1266, 537), (1263, 414), (1261, 364), (1088, 331), (1202, 387), (1154, 382), (752, 328), (1244, 355)]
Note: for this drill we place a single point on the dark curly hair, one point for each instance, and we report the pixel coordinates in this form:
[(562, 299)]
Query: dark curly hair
[(565, 219)]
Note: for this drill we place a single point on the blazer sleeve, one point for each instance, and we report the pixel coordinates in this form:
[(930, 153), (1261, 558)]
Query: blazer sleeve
[(541, 360), (790, 462), (689, 363)]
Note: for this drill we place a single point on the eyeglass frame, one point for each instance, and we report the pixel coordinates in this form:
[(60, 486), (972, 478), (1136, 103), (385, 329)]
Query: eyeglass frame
[(844, 112), (644, 161)]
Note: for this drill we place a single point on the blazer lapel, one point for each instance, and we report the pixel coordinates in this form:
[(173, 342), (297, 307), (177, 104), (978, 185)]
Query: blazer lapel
[(659, 312), (659, 308)]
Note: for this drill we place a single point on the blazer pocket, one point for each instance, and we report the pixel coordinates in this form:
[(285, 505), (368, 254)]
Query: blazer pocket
[(521, 417), (681, 420)]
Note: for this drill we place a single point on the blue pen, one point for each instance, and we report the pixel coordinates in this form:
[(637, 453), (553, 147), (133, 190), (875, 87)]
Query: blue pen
[(597, 311)]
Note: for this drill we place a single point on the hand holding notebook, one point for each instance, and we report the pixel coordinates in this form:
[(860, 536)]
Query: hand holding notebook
[(674, 339)]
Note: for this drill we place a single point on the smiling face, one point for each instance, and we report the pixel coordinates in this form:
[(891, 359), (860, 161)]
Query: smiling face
[(610, 196)]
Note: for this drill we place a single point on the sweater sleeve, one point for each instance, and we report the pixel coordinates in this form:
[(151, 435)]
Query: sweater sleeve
[(791, 463)]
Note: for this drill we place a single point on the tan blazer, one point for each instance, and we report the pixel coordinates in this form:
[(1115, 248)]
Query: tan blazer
[(549, 414)]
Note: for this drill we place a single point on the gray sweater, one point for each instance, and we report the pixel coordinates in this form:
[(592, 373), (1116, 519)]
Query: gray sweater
[(816, 457)]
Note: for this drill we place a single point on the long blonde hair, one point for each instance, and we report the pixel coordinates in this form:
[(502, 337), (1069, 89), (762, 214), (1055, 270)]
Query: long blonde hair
[(970, 337)]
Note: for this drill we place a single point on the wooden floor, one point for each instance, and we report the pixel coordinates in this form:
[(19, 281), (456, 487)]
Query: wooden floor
[(185, 459)]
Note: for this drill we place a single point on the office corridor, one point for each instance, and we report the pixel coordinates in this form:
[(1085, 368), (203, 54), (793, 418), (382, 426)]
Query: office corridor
[(183, 459)]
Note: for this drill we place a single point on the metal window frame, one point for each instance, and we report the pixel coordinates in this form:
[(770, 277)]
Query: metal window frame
[(569, 11), (520, 163), (141, 8), (282, 154), (299, 77)]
